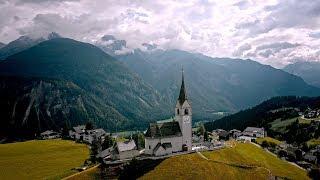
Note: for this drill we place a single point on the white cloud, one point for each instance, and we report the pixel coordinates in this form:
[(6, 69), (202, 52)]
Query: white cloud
[(213, 27)]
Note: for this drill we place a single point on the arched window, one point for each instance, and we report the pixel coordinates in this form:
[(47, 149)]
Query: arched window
[(186, 111), (178, 111)]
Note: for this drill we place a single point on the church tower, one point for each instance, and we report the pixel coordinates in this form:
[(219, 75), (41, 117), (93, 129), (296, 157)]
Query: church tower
[(183, 114)]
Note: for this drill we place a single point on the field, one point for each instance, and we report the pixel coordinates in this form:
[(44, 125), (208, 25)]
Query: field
[(41, 159), (268, 139), (243, 161), (313, 143), (280, 125), (92, 173)]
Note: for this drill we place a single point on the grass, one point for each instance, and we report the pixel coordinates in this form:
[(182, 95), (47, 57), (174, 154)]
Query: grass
[(41, 159), (313, 143), (244, 161), (280, 126), (92, 174), (268, 139)]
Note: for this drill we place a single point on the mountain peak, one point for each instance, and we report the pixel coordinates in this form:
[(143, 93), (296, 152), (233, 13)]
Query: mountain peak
[(113, 46), (2, 45), (149, 46), (108, 37), (53, 35)]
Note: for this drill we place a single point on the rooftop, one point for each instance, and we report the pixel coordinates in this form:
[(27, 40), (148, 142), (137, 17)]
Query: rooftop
[(126, 146), (164, 129), (254, 129)]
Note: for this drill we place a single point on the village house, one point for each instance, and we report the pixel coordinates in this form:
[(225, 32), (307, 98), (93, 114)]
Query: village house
[(125, 150), (105, 154), (234, 133), (214, 136), (310, 158), (250, 133), (254, 132), (174, 136), (77, 132), (90, 135), (49, 134), (222, 134)]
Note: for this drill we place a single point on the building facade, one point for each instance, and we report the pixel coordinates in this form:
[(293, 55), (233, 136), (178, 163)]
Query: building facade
[(167, 137)]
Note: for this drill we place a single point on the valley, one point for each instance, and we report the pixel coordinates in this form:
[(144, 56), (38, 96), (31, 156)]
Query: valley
[(126, 92), (131, 89)]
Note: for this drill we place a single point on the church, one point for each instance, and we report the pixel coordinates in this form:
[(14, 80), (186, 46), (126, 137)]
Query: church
[(164, 138)]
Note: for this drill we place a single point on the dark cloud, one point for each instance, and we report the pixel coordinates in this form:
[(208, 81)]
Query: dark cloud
[(277, 47), (268, 50), (266, 54), (16, 18), (240, 51)]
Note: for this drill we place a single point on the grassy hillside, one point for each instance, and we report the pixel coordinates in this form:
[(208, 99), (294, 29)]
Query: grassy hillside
[(269, 140), (47, 159), (244, 161)]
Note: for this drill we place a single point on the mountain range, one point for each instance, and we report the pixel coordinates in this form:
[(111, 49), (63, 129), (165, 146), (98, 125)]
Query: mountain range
[(85, 84), (2, 45), (59, 82), (23, 43), (309, 71), (216, 85)]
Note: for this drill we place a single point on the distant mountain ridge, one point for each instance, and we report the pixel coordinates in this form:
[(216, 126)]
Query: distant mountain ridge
[(309, 71), (2, 45), (23, 43), (214, 84)]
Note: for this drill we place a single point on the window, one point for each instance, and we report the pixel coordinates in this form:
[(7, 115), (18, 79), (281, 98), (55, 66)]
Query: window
[(178, 111), (186, 111), (149, 145)]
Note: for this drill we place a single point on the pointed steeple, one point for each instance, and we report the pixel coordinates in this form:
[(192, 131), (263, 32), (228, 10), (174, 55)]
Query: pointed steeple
[(182, 94)]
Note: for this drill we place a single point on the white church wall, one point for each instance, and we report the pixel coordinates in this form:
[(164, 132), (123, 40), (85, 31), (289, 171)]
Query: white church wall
[(150, 144), (176, 143)]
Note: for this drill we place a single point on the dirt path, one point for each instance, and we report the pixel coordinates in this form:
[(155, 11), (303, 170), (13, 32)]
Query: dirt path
[(80, 172)]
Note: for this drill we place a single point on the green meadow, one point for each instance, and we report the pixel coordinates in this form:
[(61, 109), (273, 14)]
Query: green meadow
[(41, 159), (243, 161)]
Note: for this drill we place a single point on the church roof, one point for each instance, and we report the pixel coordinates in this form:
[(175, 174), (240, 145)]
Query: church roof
[(157, 130), (182, 94)]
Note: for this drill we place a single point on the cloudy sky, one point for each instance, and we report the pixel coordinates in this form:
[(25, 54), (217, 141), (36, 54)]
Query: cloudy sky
[(275, 32)]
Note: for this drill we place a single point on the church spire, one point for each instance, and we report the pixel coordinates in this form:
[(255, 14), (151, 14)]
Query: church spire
[(182, 94)]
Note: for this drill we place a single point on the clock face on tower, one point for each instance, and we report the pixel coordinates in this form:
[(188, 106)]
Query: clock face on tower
[(186, 119)]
